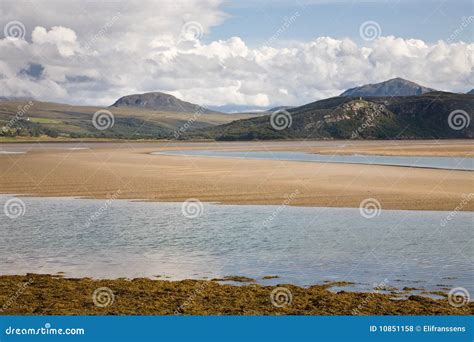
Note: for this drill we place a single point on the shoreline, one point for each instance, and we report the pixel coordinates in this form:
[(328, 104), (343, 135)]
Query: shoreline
[(145, 200), (414, 148), (35, 294), (170, 153)]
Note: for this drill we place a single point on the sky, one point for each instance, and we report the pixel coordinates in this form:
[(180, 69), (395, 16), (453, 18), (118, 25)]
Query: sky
[(256, 21), (258, 53)]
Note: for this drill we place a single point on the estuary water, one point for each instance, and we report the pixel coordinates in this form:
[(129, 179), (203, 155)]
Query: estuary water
[(450, 163), (300, 245)]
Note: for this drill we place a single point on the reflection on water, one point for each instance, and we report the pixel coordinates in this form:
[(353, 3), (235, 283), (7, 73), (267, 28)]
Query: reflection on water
[(301, 245), (451, 163)]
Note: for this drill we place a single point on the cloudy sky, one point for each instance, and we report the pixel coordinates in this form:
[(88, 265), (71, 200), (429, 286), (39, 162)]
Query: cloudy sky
[(255, 53)]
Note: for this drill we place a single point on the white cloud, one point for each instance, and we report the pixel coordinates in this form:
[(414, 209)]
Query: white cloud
[(63, 38), (94, 52)]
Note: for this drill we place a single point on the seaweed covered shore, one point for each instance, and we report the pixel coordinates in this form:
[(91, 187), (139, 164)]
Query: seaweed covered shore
[(34, 294)]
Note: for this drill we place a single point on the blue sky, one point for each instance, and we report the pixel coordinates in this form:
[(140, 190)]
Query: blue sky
[(429, 20), (216, 52)]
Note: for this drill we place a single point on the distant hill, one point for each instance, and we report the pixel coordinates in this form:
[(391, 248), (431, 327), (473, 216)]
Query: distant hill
[(56, 119), (401, 117), (471, 92), (267, 111), (160, 101), (14, 98), (234, 108), (274, 109), (394, 87)]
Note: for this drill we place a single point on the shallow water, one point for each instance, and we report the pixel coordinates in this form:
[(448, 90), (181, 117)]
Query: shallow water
[(451, 163), (303, 246)]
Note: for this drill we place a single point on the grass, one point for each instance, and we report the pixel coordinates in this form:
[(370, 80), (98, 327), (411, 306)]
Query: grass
[(55, 119), (53, 295), (45, 121)]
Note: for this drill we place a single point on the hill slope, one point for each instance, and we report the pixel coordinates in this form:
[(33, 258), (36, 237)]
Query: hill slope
[(394, 87), (159, 101), (33, 118), (404, 117)]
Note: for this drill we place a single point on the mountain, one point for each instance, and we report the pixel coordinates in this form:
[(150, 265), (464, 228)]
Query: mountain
[(15, 98), (35, 118), (274, 109), (266, 111), (471, 92), (402, 117), (394, 87), (234, 108), (159, 101)]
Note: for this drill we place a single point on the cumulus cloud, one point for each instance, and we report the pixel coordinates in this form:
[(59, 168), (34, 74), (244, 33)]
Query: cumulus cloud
[(64, 39), (94, 52)]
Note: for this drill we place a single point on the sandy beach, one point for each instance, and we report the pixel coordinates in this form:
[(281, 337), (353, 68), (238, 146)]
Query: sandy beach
[(100, 170)]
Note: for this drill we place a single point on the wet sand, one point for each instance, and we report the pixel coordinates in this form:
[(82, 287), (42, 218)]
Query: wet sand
[(52, 295), (103, 169)]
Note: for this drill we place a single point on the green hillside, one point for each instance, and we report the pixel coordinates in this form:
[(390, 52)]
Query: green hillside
[(402, 117), (34, 118)]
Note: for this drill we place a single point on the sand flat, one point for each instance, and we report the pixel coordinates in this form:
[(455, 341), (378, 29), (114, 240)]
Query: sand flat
[(102, 170)]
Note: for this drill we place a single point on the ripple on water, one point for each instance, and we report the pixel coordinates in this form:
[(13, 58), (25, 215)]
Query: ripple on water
[(303, 246)]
